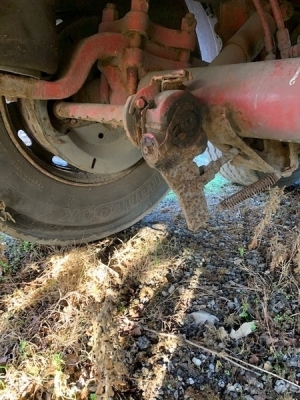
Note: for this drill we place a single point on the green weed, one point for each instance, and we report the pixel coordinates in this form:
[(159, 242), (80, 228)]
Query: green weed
[(23, 348), (244, 313), (241, 251), (58, 362)]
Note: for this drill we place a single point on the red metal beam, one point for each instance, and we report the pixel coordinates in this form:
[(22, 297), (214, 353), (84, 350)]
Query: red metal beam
[(260, 100)]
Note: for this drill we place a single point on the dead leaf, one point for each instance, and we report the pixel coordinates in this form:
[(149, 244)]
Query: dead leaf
[(268, 366), (270, 341), (84, 395), (71, 359), (136, 331), (253, 359), (290, 341), (3, 360), (243, 331), (222, 333)]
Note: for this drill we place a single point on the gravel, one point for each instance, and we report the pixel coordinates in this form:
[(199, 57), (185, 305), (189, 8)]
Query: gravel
[(219, 279)]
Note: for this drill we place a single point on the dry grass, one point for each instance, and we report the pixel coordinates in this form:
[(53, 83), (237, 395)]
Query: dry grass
[(47, 310), (60, 319), (4, 215), (69, 319), (270, 209)]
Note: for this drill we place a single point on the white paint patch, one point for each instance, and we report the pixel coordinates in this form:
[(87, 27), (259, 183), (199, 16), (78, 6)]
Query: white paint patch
[(294, 78), (255, 101)]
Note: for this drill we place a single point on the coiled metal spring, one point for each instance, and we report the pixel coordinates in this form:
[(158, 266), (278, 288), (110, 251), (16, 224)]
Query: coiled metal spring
[(249, 191)]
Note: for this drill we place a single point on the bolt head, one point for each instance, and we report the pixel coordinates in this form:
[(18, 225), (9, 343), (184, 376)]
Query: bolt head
[(140, 103), (110, 13), (188, 23)]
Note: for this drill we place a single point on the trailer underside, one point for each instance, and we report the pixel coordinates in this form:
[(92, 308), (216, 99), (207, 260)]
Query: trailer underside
[(105, 106)]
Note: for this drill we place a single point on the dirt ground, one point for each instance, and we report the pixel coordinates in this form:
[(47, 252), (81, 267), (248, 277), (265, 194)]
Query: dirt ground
[(156, 312)]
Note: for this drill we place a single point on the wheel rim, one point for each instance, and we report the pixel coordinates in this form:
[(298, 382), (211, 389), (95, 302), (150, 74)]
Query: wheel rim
[(88, 154), (47, 162)]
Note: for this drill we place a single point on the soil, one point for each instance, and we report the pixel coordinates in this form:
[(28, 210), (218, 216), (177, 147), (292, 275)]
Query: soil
[(212, 315)]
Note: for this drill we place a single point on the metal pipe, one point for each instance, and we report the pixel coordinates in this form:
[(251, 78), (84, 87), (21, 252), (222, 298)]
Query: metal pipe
[(259, 100), (282, 35), (104, 113), (246, 44), (242, 47), (269, 42), (277, 14), (99, 46)]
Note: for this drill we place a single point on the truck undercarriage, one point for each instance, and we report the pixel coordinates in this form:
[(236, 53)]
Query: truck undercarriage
[(105, 106)]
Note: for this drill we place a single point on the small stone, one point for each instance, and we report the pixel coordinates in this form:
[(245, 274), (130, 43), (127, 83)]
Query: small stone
[(252, 262), (143, 342), (202, 317), (211, 304), (211, 367), (280, 387), (171, 289), (196, 361), (294, 362), (230, 388), (165, 294), (236, 388), (221, 383), (238, 261), (190, 381)]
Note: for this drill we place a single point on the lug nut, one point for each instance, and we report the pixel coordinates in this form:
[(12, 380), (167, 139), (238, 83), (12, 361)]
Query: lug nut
[(188, 23), (110, 13), (140, 5), (140, 103)]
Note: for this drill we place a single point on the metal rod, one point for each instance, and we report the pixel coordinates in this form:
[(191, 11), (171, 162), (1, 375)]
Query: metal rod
[(269, 41), (104, 113), (102, 45)]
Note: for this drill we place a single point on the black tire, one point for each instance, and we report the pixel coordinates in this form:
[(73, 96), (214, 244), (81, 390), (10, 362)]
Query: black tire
[(240, 175), (52, 210), (245, 176), (59, 205)]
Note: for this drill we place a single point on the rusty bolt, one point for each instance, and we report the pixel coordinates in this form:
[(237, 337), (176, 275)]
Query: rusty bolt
[(140, 5), (140, 103), (110, 13), (11, 99), (188, 23), (150, 148)]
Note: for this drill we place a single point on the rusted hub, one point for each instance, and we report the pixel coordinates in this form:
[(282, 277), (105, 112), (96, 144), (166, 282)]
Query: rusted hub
[(185, 122), (176, 119), (172, 136)]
